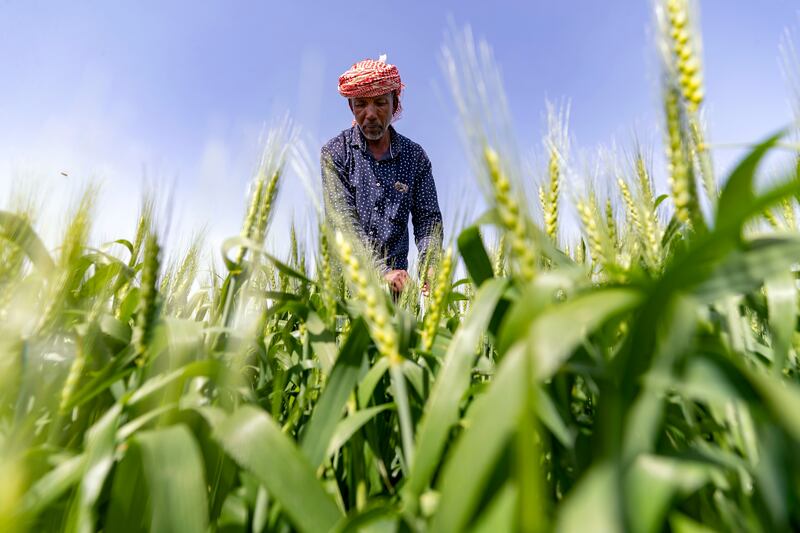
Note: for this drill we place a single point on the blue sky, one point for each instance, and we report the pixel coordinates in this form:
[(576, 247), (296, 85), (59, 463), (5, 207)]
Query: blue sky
[(179, 91)]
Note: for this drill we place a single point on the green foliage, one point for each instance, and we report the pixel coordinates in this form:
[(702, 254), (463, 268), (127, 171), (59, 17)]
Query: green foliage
[(655, 387)]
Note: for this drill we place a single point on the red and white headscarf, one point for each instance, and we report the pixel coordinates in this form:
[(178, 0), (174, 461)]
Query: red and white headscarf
[(369, 78)]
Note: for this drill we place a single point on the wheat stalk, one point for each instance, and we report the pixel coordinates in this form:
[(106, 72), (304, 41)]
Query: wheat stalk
[(440, 291), (631, 209), (557, 145), (685, 55), (611, 223), (772, 219), (599, 239), (372, 298), (147, 309), (551, 199), (787, 207), (500, 257), (651, 230), (512, 219), (681, 177), (325, 273)]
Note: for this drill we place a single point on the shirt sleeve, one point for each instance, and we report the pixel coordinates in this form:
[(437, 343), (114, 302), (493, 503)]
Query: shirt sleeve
[(339, 194), (425, 214)]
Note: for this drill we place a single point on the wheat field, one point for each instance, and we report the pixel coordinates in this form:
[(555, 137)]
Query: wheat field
[(640, 375)]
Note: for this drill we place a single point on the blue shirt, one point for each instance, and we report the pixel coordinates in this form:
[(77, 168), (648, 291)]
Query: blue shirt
[(380, 194)]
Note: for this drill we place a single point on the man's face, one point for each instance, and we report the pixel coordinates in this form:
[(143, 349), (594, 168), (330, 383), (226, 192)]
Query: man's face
[(373, 115)]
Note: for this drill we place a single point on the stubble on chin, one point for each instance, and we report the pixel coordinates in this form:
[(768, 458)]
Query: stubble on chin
[(371, 137)]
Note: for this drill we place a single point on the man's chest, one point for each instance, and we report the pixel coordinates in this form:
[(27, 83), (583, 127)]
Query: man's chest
[(378, 179), (382, 188)]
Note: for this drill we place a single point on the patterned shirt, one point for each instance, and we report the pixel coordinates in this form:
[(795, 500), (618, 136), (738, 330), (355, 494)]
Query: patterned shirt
[(380, 194)]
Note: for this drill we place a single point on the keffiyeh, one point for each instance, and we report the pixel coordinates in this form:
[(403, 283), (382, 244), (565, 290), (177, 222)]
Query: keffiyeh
[(369, 78)]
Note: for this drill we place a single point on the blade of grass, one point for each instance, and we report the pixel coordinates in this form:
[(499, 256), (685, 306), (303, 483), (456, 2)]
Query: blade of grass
[(256, 442), (328, 409), (441, 410)]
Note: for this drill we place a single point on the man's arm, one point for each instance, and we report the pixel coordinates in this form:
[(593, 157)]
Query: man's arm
[(339, 196), (425, 214), (340, 207)]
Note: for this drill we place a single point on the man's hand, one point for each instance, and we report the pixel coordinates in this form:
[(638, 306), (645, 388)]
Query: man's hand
[(426, 286), (396, 279)]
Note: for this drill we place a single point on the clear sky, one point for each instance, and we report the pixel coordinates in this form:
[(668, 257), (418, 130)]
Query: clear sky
[(178, 91)]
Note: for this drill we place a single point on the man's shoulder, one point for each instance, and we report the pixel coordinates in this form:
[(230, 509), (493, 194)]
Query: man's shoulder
[(413, 147), (338, 143)]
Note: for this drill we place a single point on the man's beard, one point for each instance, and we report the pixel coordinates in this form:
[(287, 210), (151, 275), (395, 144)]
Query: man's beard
[(372, 136)]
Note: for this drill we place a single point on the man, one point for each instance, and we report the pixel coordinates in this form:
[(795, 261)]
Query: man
[(377, 177)]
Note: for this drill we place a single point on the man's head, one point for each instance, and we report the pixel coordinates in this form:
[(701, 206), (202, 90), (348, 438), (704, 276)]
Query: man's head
[(373, 92), (373, 114)]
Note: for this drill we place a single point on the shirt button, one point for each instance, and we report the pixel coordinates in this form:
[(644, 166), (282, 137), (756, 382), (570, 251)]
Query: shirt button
[(376, 208), (377, 183)]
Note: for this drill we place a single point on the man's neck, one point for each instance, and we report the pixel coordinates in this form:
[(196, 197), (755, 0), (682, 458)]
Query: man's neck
[(381, 146)]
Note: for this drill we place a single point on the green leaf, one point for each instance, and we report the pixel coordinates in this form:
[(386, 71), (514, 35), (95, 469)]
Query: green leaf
[(160, 485), (235, 242), (782, 304), (653, 481), (207, 367), (694, 269), (376, 518), (400, 394), (548, 290), (660, 198), (593, 500), (490, 422), (124, 242), (323, 342), (773, 477), (17, 230), (738, 194), (675, 333), (499, 514), (328, 409), (257, 444), (441, 409), (347, 427), (703, 380), (550, 417), (745, 270), (475, 257), (129, 430), (115, 329), (680, 523), (555, 333), (368, 383), (52, 485), (99, 445), (779, 396), (697, 265)]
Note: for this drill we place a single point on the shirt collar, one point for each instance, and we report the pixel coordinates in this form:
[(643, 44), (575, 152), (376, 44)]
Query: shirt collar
[(357, 139)]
